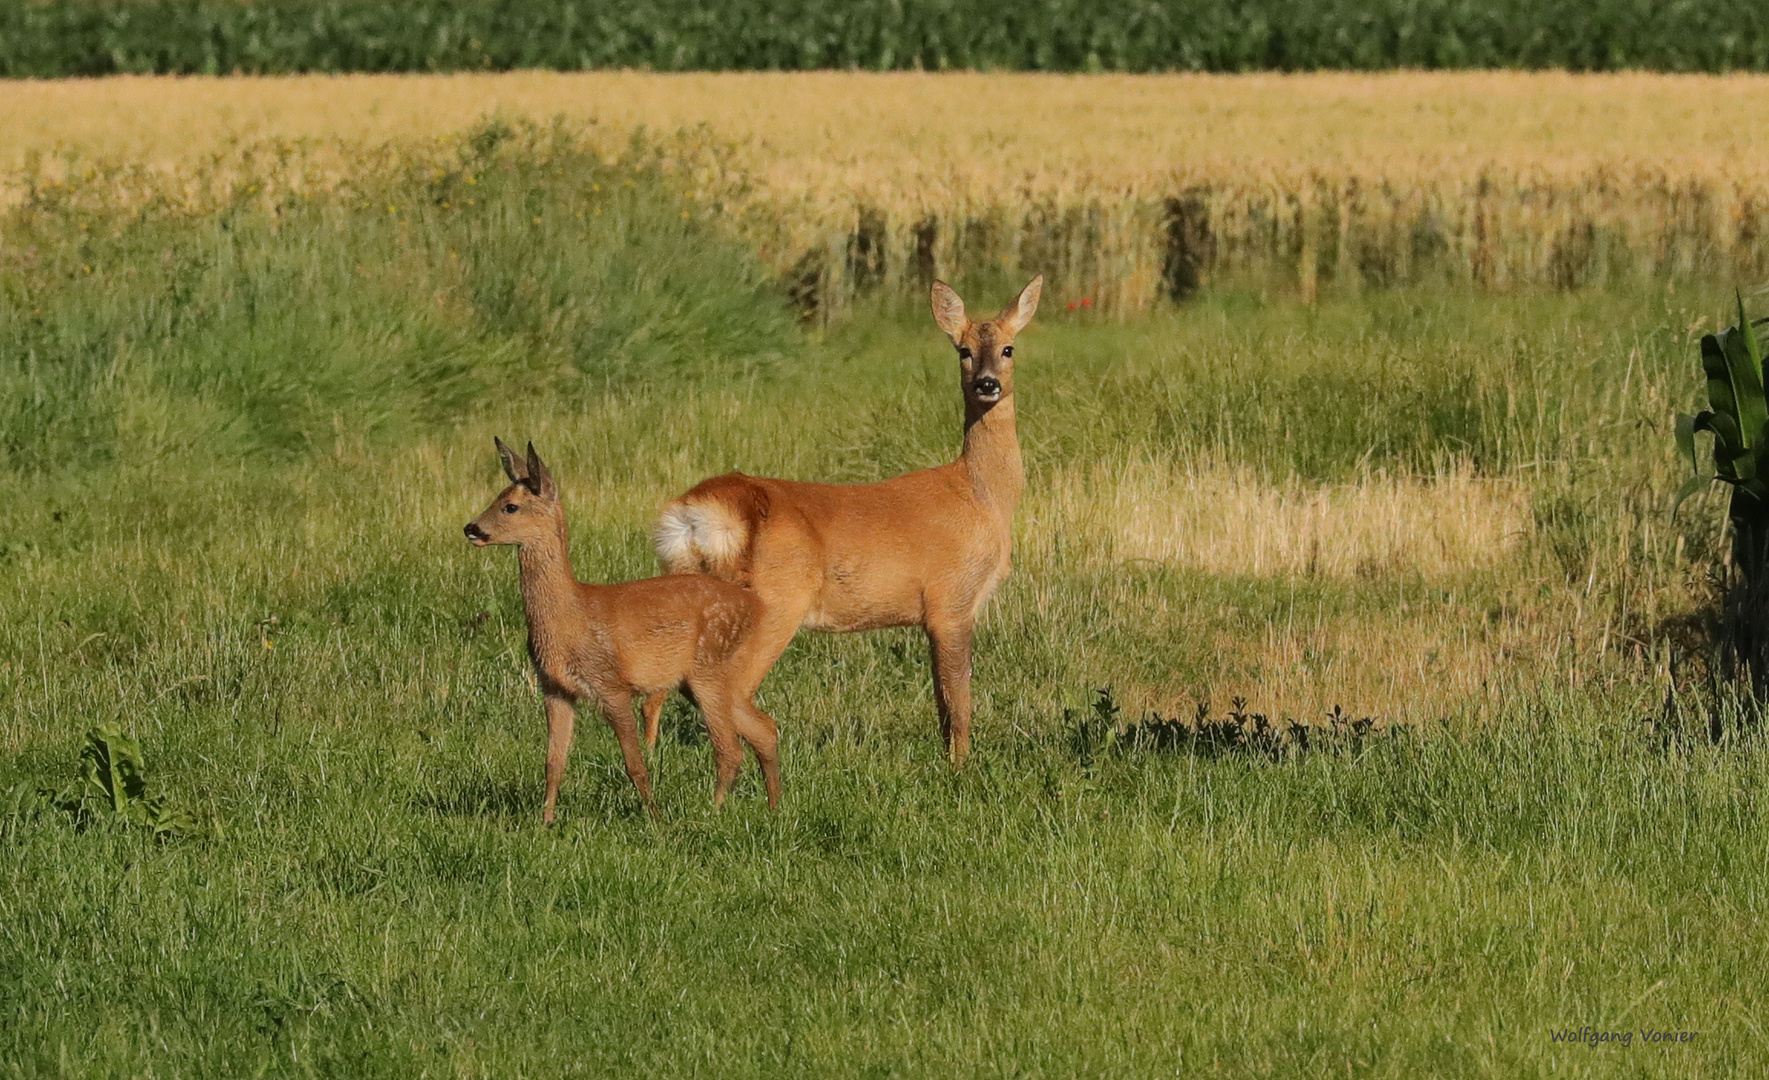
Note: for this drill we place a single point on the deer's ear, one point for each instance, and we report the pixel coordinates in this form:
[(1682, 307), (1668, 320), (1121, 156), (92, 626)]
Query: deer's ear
[(513, 467), (949, 311), (540, 481), (1017, 314)]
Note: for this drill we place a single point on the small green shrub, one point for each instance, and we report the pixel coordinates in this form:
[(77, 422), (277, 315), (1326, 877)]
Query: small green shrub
[(1738, 419), (112, 785), (1238, 733)]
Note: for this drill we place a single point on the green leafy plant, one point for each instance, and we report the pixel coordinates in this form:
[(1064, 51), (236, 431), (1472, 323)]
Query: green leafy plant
[(1738, 419), (1737, 416), (112, 785)]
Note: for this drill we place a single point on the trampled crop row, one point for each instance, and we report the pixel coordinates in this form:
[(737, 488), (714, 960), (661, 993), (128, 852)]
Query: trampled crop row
[(61, 38)]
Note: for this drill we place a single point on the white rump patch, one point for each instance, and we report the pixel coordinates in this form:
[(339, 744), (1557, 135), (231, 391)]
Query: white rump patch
[(697, 537)]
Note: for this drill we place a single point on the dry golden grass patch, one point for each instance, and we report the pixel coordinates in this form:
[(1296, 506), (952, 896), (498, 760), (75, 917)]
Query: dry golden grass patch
[(1224, 519), (1451, 654), (1220, 518), (1426, 663), (1494, 617)]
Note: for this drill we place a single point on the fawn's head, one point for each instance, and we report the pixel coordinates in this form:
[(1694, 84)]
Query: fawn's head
[(526, 511), (985, 349)]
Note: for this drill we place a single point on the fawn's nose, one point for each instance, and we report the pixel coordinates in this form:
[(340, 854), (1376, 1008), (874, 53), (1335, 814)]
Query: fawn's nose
[(474, 532), (988, 388)]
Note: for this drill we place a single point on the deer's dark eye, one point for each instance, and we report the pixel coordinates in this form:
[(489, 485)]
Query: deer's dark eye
[(963, 353), (1007, 352), (511, 508)]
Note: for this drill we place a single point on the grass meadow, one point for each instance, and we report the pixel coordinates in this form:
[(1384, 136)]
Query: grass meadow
[(239, 445)]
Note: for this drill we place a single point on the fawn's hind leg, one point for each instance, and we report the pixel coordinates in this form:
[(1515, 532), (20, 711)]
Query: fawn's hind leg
[(716, 710)]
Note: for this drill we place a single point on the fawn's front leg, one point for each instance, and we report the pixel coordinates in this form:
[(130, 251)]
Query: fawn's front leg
[(560, 715)]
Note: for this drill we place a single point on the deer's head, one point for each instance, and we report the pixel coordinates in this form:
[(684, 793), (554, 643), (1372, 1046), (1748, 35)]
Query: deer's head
[(985, 349), (526, 511)]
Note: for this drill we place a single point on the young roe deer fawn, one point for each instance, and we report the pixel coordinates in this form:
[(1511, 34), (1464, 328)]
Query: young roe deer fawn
[(923, 549), (607, 643)]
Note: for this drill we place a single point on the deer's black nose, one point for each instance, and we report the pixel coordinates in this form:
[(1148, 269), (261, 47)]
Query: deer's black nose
[(988, 388), (474, 532)]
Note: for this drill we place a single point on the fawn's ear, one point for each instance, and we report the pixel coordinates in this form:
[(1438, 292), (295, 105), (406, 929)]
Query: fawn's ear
[(949, 311), (1016, 315), (513, 467), (540, 481)]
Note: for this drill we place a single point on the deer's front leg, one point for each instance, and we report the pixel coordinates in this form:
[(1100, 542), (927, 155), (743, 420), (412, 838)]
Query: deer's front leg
[(560, 716), (950, 647)]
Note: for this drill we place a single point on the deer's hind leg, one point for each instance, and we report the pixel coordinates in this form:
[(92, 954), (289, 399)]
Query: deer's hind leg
[(716, 710), (784, 599), (742, 674), (758, 729)]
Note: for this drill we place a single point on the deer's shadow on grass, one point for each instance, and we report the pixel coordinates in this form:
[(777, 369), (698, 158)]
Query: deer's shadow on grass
[(479, 796), (592, 789)]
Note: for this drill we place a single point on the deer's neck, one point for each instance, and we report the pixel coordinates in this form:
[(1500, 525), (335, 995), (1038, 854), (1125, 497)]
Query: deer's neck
[(551, 595), (991, 455)]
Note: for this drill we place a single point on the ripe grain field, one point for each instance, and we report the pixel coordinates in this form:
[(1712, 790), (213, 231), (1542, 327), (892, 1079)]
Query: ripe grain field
[(246, 407), (1122, 189)]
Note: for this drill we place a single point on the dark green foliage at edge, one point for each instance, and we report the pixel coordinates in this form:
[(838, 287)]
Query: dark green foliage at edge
[(100, 37)]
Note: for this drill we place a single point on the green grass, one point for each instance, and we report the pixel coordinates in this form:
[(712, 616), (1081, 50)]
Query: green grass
[(237, 457)]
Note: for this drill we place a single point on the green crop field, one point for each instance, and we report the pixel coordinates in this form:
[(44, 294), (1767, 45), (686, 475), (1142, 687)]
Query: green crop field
[(237, 446), (50, 38)]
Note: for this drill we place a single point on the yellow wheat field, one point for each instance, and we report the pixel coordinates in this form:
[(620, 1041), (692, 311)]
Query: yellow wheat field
[(1117, 186), (889, 137)]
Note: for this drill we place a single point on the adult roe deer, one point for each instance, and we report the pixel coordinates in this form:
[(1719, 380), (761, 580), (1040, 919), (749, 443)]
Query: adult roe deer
[(606, 643), (923, 549)]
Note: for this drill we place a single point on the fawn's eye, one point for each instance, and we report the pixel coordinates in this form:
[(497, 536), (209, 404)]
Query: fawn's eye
[(1007, 352), (963, 353), (511, 508)]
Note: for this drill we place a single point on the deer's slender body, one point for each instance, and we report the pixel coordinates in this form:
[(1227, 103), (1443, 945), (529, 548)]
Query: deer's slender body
[(925, 549), (607, 644)]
